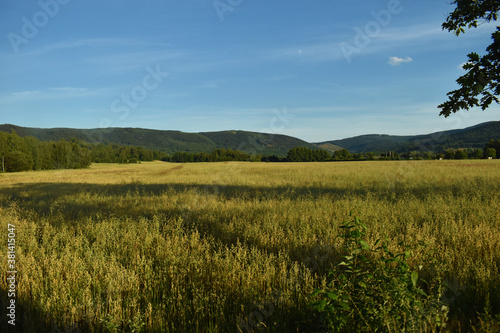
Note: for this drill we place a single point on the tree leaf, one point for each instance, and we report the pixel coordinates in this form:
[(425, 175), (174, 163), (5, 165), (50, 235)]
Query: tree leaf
[(332, 296), (414, 278), (364, 245), (344, 305)]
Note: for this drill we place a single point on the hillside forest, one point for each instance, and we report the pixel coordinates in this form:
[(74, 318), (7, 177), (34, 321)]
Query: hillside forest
[(29, 153)]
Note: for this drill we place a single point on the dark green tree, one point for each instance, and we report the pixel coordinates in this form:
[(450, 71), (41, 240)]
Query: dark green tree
[(449, 154), (477, 154), (63, 155), (202, 157), (16, 161), (342, 155), (461, 154), (479, 86), (490, 152), (299, 154), (320, 155), (182, 157), (495, 144), (358, 156)]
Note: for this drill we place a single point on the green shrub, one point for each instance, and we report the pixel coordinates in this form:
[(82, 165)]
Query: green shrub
[(374, 290)]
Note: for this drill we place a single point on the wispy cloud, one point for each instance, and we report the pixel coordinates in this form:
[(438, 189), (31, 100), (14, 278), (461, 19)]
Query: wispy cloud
[(93, 42), (122, 61), (322, 51), (22, 94), (396, 61), (68, 89), (327, 47), (414, 32), (49, 94)]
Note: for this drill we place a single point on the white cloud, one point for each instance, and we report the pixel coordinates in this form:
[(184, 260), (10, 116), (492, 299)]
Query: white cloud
[(396, 61)]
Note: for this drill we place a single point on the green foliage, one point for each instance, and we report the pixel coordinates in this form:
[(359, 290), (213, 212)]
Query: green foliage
[(304, 154), (28, 153), (342, 155), (490, 152), (479, 87), (477, 154), (218, 155), (182, 157), (468, 13), (273, 158), (461, 154), (392, 155), (113, 153), (17, 161), (374, 289), (494, 144)]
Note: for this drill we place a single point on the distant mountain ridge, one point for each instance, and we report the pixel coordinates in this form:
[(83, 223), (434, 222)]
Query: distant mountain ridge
[(264, 143), (170, 141), (471, 137)]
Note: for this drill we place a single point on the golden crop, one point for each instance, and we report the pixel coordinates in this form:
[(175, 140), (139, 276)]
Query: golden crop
[(218, 247)]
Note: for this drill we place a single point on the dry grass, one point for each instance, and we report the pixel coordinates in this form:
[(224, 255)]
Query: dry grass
[(216, 246)]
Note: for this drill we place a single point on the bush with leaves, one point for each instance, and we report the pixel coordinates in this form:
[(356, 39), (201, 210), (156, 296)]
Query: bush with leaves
[(374, 290)]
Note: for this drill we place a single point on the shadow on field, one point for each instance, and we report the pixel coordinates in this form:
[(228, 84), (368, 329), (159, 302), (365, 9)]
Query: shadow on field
[(27, 318), (74, 202), (38, 195)]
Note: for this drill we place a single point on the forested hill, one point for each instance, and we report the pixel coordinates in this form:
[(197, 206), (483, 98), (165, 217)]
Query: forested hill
[(262, 143), (170, 141), (471, 137)]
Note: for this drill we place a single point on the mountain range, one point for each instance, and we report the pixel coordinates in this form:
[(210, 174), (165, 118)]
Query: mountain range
[(470, 137), (264, 143)]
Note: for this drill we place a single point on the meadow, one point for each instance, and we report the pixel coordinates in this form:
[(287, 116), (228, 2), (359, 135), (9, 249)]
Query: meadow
[(239, 246)]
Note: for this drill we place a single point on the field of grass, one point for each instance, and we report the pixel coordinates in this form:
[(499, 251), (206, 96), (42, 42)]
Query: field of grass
[(238, 247)]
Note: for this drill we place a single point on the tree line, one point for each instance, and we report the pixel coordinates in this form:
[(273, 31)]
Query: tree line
[(114, 153), (28, 153), (303, 154), (217, 155)]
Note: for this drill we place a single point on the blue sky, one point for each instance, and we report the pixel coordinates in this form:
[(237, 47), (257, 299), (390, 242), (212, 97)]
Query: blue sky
[(316, 70)]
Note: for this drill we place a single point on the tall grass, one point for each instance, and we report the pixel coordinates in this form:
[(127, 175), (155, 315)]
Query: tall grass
[(239, 246)]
